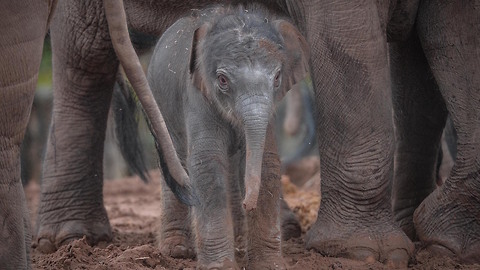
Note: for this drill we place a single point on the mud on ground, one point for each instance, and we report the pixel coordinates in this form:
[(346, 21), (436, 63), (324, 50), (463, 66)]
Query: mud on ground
[(132, 208)]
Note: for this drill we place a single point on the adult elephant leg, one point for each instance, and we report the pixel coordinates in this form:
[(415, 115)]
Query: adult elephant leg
[(448, 221), (355, 133), (20, 55), (264, 228), (71, 204), (420, 115)]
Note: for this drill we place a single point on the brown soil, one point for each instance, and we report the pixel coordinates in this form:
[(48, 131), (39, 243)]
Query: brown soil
[(132, 207)]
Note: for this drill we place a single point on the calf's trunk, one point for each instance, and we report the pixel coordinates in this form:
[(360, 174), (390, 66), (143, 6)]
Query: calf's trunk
[(256, 117)]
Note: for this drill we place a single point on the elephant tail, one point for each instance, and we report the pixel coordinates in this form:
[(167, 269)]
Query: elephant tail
[(126, 109), (128, 58), (125, 113)]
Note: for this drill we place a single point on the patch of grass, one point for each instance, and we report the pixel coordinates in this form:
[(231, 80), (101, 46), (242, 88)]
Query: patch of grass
[(45, 74)]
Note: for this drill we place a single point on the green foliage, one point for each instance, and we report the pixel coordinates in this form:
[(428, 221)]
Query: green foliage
[(45, 74)]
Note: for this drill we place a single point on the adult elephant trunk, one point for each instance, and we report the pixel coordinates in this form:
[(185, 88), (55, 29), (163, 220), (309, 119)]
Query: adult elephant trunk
[(256, 112), (117, 25)]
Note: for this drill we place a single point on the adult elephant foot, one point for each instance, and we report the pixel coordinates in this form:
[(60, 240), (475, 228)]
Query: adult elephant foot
[(290, 224), (377, 240), (448, 224), (58, 231)]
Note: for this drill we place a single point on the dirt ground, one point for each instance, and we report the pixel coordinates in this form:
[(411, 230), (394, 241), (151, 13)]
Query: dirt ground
[(132, 208)]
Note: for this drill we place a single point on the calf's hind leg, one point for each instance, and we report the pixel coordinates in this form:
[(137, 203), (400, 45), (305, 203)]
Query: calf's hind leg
[(175, 231)]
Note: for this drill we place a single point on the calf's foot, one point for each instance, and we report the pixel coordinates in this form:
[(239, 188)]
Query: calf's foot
[(176, 244), (273, 261), (225, 264), (448, 224), (174, 235)]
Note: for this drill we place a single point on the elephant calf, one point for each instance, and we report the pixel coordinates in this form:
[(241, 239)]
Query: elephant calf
[(217, 76)]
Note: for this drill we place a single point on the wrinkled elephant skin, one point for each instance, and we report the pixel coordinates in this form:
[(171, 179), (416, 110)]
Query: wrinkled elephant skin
[(352, 80), (23, 25)]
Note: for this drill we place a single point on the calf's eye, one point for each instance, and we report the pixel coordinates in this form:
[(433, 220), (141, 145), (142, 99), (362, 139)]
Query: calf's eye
[(276, 81), (222, 82)]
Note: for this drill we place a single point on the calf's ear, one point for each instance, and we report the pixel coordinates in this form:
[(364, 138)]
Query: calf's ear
[(195, 60), (297, 51)]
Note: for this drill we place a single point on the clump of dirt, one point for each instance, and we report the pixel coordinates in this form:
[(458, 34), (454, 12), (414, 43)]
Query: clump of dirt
[(133, 210), (304, 203), (302, 171)]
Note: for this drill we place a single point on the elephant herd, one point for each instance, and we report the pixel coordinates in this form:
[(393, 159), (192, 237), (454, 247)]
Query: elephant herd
[(386, 75)]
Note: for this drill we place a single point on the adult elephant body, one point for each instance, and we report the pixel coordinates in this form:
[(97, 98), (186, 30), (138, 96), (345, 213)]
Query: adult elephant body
[(350, 72)]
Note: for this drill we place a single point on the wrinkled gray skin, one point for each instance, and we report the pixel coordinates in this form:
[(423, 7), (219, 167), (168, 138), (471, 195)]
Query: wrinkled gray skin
[(217, 76), (435, 63), (23, 25), (442, 55)]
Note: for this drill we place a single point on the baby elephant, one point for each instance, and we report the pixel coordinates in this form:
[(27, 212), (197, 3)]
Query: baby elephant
[(217, 76)]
